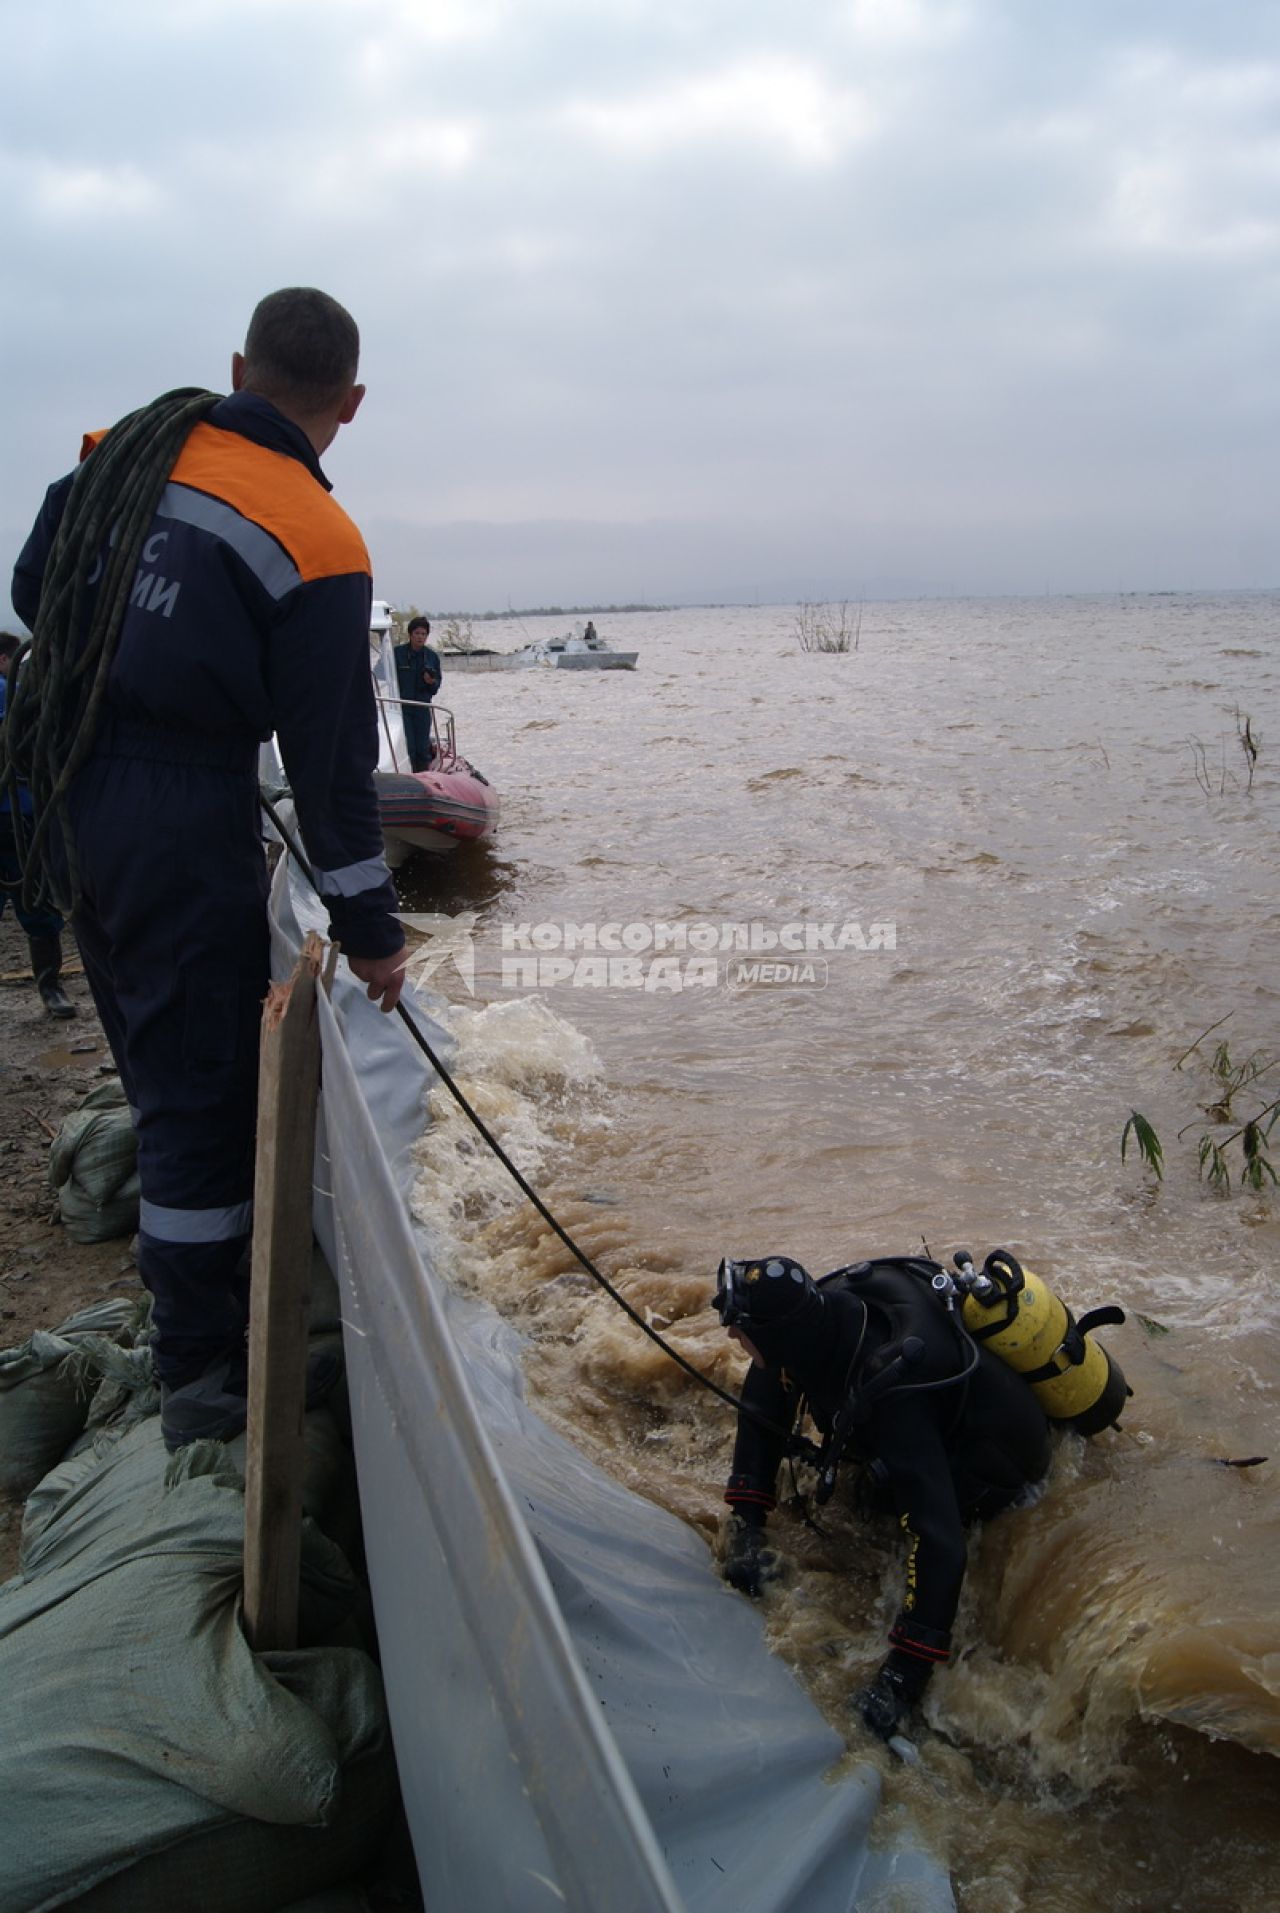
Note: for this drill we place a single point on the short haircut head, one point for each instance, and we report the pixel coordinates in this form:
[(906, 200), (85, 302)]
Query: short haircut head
[(302, 348), (9, 643), (419, 624)]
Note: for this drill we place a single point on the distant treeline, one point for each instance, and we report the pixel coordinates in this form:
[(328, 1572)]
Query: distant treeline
[(549, 611)]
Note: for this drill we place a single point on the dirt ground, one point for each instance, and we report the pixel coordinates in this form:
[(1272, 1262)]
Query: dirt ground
[(46, 1067)]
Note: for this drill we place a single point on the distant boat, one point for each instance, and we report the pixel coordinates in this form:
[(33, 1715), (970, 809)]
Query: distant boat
[(573, 652), (578, 652)]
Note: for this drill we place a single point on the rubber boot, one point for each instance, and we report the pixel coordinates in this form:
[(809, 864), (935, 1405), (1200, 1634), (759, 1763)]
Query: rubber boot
[(46, 963)]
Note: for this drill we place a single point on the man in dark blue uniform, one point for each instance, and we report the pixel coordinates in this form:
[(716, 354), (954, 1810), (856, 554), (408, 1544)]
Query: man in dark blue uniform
[(945, 1432), (418, 674), (249, 614)]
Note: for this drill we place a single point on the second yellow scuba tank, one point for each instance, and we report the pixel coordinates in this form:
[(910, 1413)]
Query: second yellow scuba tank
[(1019, 1318)]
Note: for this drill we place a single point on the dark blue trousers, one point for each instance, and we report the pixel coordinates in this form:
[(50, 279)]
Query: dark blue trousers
[(417, 735), (173, 933), (37, 923)]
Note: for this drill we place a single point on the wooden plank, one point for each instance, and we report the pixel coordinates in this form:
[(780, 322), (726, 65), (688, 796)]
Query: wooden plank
[(280, 1294)]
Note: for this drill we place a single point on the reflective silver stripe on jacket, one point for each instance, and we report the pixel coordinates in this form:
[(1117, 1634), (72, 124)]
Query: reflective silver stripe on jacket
[(270, 564), (195, 1225), (352, 878)]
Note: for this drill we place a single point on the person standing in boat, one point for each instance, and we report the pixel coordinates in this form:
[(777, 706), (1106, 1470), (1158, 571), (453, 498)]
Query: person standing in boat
[(248, 613), (946, 1434), (418, 673)]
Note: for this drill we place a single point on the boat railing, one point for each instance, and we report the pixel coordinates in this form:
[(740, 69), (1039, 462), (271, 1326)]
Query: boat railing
[(444, 749)]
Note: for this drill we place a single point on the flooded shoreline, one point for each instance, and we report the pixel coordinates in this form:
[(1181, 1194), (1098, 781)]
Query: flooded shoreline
[(1013, 787)]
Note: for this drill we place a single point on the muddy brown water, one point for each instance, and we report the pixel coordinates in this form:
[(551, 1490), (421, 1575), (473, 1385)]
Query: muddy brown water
[(1049, 802)]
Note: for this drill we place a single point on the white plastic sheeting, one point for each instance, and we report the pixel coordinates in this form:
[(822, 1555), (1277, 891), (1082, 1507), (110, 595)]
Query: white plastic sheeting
[(584, 1715)]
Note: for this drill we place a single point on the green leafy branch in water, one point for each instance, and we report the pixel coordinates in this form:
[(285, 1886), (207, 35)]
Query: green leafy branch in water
[(1227, 1076), (1228, 1079), (1257, 1167), (1146, 1142)]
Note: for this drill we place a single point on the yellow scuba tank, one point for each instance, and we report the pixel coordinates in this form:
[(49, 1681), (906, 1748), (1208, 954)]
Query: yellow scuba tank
[(1019, 1318)]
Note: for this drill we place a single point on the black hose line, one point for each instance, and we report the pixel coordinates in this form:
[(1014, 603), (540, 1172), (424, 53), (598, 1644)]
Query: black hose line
[(726, 1395), (732, 1400), (58, 685), (798, 1445)]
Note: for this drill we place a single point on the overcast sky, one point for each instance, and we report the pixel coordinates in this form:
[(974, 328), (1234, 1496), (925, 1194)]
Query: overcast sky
[(684, 299)]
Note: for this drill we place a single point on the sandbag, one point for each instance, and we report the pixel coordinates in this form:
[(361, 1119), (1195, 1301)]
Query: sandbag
[(93, 1167), (146, 1747), (45, 1396)]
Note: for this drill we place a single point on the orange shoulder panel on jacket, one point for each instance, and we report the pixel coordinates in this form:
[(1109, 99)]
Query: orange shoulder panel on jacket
[(90, 441), (278, 493)]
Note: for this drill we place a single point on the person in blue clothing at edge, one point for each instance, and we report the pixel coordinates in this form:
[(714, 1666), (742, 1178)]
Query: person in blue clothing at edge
[(43, 926), (418, 673), (252, 618), (945, 1432)]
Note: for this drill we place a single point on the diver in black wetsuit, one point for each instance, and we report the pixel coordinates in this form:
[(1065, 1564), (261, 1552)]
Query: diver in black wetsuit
[(947, 1432)]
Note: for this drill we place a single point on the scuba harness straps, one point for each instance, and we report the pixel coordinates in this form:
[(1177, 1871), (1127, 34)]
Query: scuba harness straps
[(1003, 1307), (907, 1353), (855, 1409)]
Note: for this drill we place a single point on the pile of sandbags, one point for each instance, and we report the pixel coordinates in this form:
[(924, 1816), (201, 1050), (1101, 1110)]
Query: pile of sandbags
[(93, 1167), (47, 1384), (150, 1758)]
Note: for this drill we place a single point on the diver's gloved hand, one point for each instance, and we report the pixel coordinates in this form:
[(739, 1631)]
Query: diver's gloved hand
[(896, 1689), (748, 1561)]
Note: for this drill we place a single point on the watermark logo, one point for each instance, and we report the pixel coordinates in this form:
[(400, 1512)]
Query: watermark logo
[(658, 958), (776, 973), (444, 940)]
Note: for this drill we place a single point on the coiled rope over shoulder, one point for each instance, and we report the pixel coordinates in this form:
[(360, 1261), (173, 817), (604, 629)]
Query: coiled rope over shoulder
[(58, 687)]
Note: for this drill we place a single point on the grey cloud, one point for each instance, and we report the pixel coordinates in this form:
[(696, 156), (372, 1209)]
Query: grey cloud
[(1037, 293)]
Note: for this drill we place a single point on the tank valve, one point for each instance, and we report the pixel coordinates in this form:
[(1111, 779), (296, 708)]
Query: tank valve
[(973, 1281)]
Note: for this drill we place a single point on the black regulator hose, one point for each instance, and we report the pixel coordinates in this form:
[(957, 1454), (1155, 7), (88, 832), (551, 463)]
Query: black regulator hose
[(477, 1121)]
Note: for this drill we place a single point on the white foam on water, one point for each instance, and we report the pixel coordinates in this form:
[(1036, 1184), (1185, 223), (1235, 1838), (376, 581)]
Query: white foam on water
[(536, 1083)]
